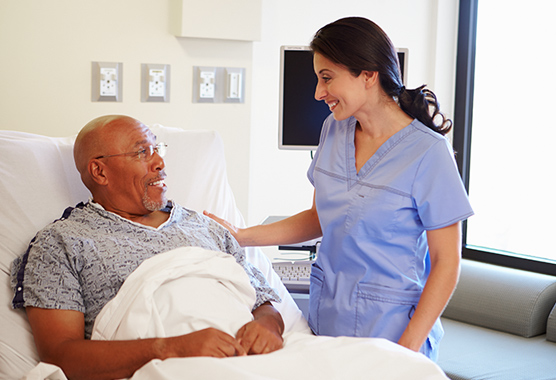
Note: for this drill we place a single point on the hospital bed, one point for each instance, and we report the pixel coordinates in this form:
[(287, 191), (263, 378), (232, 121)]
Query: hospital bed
[(38, 181)]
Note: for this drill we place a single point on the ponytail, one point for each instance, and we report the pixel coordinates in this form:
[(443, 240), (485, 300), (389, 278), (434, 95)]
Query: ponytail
[(421, 104)]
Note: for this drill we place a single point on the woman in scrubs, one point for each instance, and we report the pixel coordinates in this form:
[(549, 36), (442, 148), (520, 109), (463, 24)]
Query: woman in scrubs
[(388, 198)]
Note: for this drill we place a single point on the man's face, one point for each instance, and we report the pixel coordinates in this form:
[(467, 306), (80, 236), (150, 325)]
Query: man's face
[(135, 182)]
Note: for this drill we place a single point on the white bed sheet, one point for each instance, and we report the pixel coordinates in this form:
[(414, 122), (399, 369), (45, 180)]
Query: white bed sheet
[(189, 289), (178, 292), (304, 357)]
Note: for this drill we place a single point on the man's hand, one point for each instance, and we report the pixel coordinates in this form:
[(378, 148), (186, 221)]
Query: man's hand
[(264, 334), (207, 342), (59, 337)]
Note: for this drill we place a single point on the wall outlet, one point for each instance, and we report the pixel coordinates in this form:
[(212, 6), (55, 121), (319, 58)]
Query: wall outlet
[(106, 82), (155, 85), (204, 84)]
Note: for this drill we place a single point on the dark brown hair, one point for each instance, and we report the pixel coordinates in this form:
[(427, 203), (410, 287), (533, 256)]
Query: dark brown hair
[(359, 44)]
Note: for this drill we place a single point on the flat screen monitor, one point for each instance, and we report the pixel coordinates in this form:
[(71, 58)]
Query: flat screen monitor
[(301, 115)]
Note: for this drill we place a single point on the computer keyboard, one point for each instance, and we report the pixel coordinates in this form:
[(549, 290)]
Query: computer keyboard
[(295, 275)]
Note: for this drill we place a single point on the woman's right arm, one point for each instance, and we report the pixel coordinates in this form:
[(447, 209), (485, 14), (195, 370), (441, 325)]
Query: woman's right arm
[(295, 229)]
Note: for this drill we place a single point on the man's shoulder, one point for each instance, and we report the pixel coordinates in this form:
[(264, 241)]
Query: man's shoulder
[(70, 214), (74, 217), (69, 210), (177, 211)]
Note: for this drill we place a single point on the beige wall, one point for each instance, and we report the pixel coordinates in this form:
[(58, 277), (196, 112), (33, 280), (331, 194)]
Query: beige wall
[(48, 46)]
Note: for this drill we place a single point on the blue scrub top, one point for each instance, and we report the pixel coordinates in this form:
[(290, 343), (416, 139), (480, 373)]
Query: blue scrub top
[(373, 261)]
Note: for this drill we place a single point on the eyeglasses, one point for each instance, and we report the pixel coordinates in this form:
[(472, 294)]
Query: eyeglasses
[(144, 154)]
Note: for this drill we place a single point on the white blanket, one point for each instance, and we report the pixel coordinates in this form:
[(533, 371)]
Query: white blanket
[(178, 292), (190, 288)]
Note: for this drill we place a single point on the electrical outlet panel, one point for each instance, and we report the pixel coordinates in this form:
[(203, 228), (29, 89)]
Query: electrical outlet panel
[(218, 84), (106, 82), (155, 83), (204, 84)]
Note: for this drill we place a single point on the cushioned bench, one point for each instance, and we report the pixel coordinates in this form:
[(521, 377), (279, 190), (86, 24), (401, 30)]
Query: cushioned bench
[(500, 324)]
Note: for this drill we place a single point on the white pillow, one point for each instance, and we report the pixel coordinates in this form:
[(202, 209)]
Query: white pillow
[(38, 180)]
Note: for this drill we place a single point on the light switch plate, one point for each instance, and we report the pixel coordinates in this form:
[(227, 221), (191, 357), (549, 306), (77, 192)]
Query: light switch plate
[(235, 84)]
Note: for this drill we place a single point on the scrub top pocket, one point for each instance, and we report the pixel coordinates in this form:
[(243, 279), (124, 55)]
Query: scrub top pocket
[(373, 212), (315, 291), (384, 312)]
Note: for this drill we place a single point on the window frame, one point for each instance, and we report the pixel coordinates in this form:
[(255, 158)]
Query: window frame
[(462, 136)]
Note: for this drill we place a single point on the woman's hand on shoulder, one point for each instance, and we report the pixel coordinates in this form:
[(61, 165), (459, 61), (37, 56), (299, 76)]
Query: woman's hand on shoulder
[(229, 226)]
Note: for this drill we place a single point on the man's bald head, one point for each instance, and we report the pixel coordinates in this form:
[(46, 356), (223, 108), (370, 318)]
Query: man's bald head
[(121, 165), (97, 138)]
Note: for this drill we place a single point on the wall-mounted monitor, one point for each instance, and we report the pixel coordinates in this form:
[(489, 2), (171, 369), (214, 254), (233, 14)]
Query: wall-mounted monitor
[(301, 115)]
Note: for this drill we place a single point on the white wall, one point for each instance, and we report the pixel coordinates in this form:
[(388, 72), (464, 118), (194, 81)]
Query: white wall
[(279, 185), (48, 46)]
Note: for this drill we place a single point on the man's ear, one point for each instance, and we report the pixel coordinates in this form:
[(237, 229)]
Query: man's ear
[(97, 172)]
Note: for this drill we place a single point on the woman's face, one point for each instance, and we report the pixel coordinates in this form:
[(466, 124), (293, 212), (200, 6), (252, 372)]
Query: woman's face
[(344, 93)]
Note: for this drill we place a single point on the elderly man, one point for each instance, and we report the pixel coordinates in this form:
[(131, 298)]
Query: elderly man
[(74, 266)]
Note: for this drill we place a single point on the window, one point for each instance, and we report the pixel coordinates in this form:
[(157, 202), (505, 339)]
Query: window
[(504, 130)]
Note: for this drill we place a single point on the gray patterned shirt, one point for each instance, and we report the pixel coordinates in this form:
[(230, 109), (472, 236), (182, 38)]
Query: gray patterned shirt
[(80, 261)]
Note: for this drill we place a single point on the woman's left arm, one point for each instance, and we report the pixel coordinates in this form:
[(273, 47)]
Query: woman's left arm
[(445, 254)]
